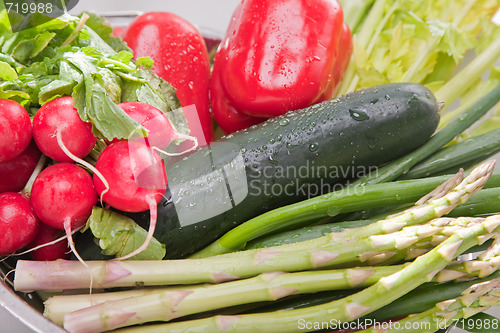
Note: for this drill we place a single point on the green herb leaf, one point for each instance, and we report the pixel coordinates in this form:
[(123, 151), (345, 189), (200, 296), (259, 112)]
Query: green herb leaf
[(7, 72), (104, 30), (145, 62), (119, 235)]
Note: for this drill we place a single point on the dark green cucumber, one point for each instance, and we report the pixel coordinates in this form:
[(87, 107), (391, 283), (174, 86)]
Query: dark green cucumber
[(287, 159)]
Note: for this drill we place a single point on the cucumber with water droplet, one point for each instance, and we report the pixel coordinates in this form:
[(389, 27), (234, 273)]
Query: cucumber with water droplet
[(287, 159)]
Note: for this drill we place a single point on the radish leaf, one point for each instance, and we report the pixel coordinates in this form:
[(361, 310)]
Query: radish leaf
[(119, 235)]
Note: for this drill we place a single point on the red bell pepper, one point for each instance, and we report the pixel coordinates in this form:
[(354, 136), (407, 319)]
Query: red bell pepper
[(227, 117), (280, 55), (180, 57), (340, 64)]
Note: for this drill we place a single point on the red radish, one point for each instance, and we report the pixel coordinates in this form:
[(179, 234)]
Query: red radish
[(48, 244), (18, 222), (137, 181), (15, 173), (15, 129), (161, 133), (62, 135), (63, 196), (58, 118)]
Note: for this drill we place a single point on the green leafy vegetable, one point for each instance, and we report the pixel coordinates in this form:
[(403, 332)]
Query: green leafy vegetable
[(78, 57), (421, 41), (119, 235), (102, 28)]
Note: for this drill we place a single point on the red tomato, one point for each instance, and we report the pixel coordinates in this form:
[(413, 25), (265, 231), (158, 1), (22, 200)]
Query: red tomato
[(181, 58)]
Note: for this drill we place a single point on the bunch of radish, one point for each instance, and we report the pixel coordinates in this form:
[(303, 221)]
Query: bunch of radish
[(38, 203)]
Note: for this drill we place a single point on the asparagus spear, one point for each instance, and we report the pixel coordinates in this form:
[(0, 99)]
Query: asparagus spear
[(56, 307), (486, 201), (167, 304), (385, 291), (418, 300), (63, 274), (477, 298), (430, 206)]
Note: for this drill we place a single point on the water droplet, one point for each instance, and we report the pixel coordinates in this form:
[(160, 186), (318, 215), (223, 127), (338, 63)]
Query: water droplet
[(272, 160), (387, 97), (373, 143), (279, 137), (284, 122), (313, 146), (333, 211), (243, 150), (358, 114), (341, 134)]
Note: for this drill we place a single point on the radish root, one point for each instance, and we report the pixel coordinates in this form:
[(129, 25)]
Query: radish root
[(47, 244), (84, 163), (69, 235), (152, 226), (184, 137)]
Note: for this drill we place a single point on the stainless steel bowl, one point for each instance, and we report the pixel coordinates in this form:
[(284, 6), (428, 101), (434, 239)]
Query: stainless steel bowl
[(27, 308), (212, 18)]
